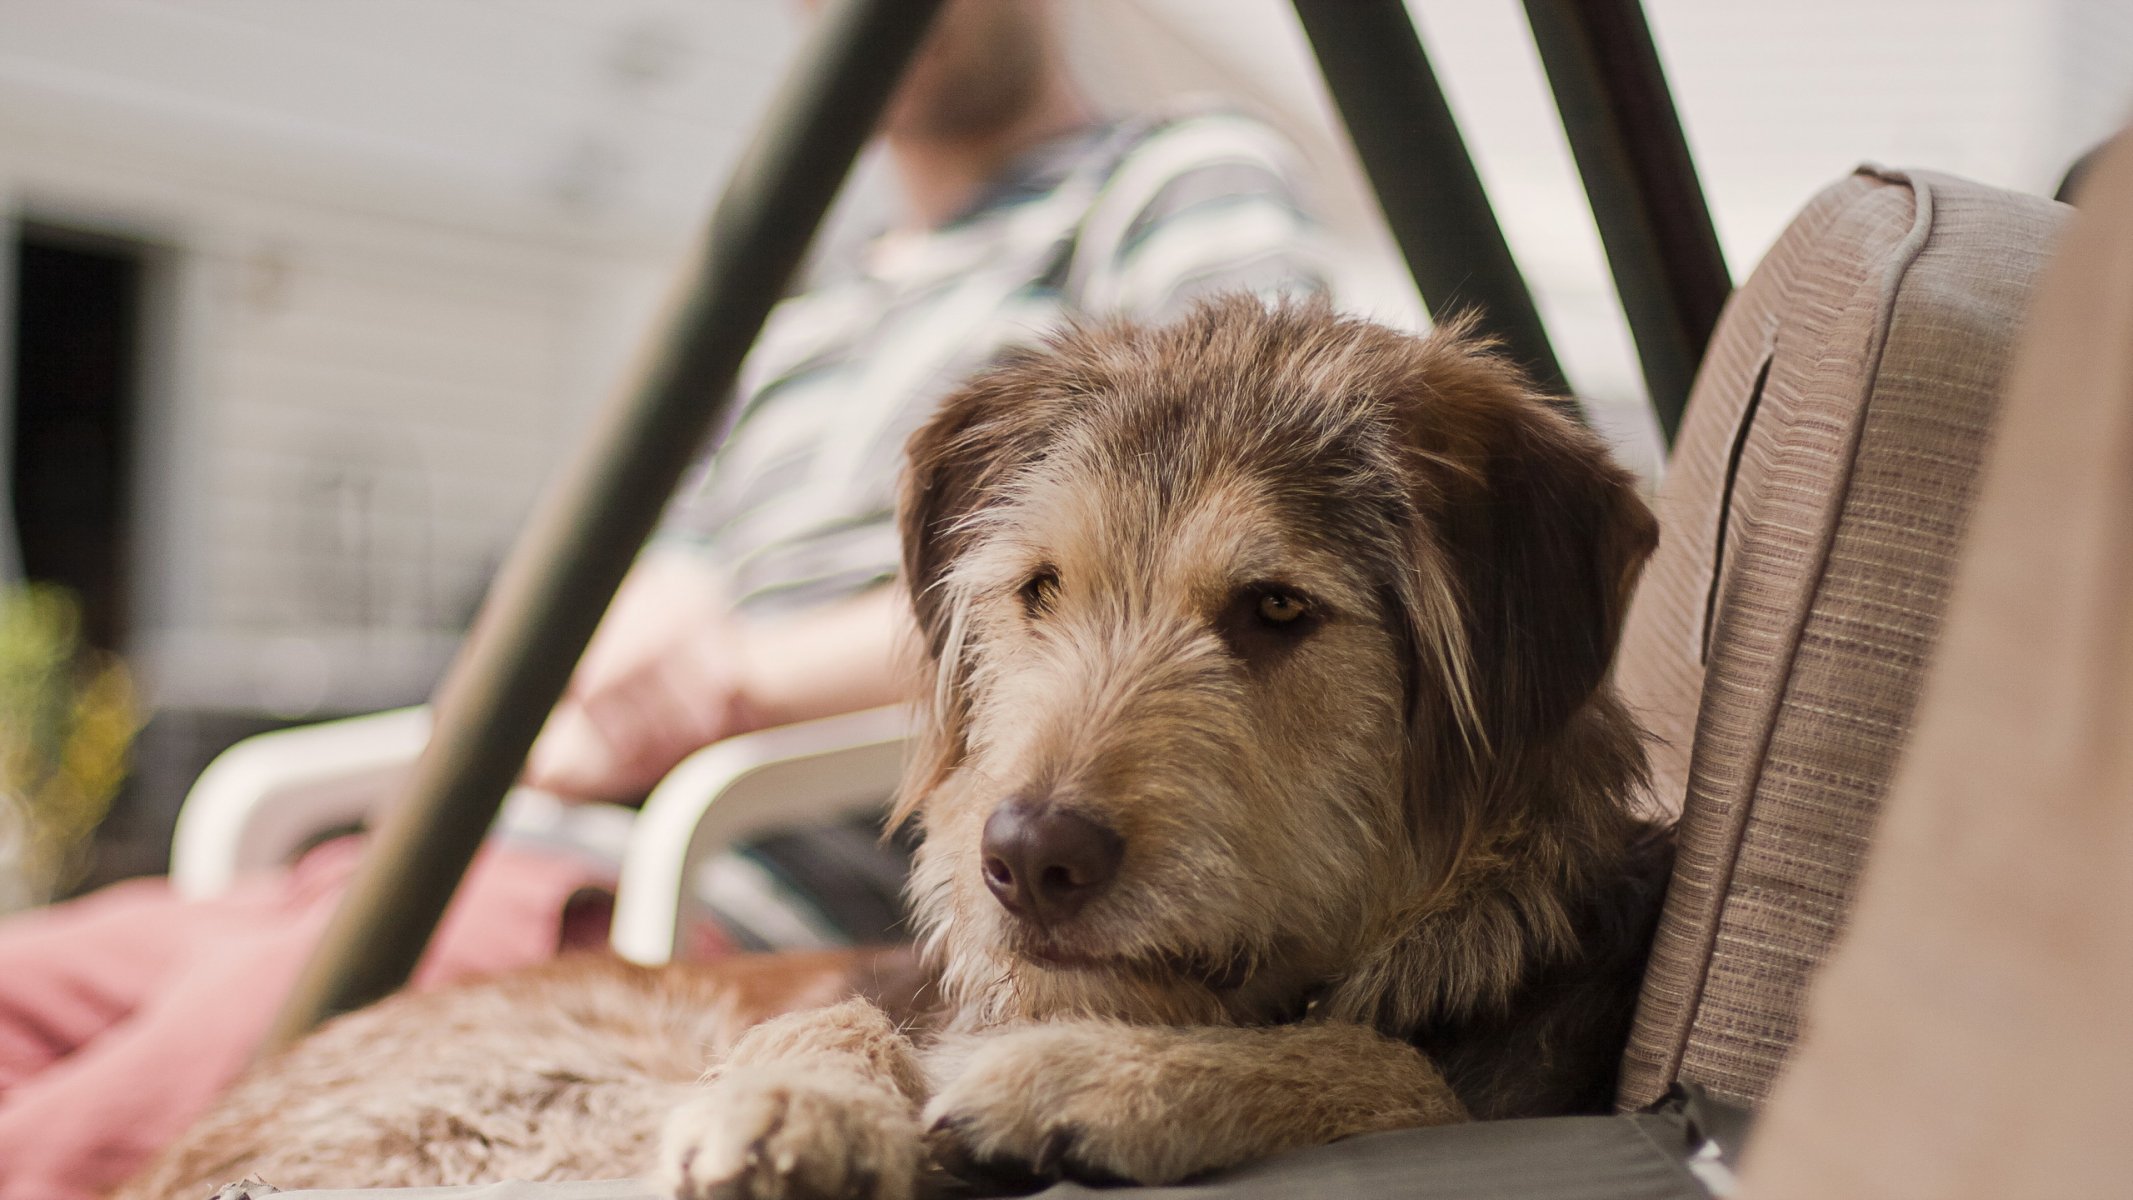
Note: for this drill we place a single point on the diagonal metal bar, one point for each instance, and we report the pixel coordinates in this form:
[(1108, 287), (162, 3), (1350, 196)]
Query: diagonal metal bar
[(1641, 181), (1374, 64), (566, 565)]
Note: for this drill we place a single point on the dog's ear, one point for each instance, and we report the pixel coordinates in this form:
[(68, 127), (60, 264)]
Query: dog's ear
[(957, 464), (1544, 534)]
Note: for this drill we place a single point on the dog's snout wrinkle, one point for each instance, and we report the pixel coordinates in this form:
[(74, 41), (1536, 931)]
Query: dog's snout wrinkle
[(1045, 862)]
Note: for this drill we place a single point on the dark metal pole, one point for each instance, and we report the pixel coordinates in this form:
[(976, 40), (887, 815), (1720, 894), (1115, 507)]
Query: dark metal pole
[(1626, 136), (1403, 129), (566, 565)]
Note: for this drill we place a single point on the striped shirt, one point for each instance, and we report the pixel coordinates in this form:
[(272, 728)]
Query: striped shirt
[(1136, 217)]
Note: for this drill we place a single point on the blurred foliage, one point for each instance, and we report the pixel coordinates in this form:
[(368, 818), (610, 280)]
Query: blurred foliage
[(67, 720)]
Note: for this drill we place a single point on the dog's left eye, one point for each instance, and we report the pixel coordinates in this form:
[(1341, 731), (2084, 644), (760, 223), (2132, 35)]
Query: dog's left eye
[(1264, 621), (1279, 608)]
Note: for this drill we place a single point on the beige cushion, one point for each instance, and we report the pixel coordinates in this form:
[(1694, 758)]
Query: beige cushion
[(1972, 1037), (1810, 519)]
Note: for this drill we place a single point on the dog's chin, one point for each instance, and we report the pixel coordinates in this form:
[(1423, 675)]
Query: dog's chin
[(1155, 984), (996, 968), (1216, 971)]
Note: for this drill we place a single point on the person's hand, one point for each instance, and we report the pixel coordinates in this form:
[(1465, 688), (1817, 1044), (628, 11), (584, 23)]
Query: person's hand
[(662, 678)]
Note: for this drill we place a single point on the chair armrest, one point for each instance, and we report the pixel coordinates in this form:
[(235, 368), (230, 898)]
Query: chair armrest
[(264, 797), (809, 773)]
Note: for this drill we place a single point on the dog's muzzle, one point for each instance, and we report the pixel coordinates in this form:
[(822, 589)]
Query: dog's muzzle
[(1045, 863)]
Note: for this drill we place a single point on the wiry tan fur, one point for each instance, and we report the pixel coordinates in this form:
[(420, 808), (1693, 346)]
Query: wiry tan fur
[(1379, 866), (561, 1072)]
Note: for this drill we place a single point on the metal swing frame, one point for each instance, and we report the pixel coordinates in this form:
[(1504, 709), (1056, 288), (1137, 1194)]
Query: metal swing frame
[(1631, 154)]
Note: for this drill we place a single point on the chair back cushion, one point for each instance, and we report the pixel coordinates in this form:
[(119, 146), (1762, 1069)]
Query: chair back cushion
[(1810, 520)]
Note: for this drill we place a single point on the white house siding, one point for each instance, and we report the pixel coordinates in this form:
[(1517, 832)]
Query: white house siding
[(410, 241), (404, 249)]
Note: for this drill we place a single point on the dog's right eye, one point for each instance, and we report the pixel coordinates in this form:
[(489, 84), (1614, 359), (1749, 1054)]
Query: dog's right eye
[(1039, 591)]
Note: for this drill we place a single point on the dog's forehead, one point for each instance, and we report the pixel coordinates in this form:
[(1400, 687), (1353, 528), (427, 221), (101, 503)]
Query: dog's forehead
[(1220, 524), (1202, 505), (1189, 434)]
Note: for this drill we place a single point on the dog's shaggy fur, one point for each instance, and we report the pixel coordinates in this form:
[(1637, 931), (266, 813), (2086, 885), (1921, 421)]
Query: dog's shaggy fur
[(1299, 629)]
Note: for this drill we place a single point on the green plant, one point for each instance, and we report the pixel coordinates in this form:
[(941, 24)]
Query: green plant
[(67, 720)]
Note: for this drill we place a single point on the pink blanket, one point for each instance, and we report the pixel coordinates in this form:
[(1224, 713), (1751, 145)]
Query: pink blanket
[(124, 1013)]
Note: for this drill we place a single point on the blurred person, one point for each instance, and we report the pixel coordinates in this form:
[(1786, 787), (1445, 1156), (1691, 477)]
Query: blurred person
[(759, 602)]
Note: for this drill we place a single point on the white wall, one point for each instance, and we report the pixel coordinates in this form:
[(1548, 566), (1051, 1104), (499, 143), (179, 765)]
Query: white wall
[(405, 249), (410, 242)]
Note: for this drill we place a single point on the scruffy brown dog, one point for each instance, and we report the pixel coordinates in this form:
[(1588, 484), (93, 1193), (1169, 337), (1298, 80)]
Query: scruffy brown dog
[(1272, 792)]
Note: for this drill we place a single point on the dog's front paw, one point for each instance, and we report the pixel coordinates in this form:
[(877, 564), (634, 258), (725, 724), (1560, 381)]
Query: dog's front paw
[(1062, 1102), (798, 1135)]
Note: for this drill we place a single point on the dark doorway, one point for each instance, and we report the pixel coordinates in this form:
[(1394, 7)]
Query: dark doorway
[(77, 314)]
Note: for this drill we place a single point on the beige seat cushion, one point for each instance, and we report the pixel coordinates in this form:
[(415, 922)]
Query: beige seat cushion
[(1810, 519)]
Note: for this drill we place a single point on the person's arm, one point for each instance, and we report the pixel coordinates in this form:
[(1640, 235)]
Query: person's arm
[(672, 670), (841, 658)]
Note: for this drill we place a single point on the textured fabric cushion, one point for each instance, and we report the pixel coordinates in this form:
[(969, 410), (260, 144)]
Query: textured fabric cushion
[(1810, 518), (1642, 1156), (1969, 1040)]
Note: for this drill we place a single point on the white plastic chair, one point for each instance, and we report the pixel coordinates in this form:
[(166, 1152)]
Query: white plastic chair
[(259, 802)]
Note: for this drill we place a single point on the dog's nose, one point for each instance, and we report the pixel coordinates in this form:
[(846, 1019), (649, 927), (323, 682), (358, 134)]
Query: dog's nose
[(1045, 862)]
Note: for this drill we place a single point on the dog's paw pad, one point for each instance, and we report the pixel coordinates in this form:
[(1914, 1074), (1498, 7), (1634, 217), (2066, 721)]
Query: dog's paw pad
[(1048, 1102), (966, 1148), (950, 1143), (791, 1139)]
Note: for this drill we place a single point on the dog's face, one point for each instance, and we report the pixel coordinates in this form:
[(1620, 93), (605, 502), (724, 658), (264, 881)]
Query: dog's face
[(1231, 623)]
